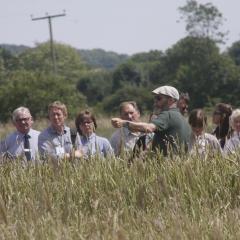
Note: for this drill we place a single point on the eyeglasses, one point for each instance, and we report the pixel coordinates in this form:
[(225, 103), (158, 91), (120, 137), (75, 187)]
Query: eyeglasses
[(86, 122), (23, 119)]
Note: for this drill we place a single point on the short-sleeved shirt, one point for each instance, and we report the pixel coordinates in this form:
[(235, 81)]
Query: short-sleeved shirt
[(53, 144), (13, 144), (93, 145), (173, 131)]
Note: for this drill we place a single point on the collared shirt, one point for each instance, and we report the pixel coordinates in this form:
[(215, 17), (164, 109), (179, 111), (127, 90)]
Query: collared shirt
[(172, 131), (93, 145), (123, 139), (53, 144), (232, 144), (204, 145), (13, 144)]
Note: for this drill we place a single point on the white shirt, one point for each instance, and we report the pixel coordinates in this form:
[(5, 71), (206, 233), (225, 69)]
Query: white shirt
[(204, 144), (123, 139)]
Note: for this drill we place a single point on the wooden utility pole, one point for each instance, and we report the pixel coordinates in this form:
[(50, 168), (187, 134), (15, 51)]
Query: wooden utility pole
[(49, 17)]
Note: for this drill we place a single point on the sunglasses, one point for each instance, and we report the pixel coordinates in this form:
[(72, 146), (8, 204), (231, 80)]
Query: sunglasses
[(158, 98)]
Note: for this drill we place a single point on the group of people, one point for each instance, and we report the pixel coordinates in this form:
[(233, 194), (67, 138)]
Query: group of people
[(169, 130), (172, 130), (56, 141)]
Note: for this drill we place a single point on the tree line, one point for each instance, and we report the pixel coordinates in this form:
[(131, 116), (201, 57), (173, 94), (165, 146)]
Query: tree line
[(194, 64)]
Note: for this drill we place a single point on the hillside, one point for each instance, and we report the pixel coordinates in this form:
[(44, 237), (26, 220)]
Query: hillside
[(96, 58)]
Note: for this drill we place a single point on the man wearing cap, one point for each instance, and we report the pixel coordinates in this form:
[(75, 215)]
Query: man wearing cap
[(171, 129)]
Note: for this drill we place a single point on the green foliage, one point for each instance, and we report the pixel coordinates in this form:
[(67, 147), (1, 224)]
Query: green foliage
[(36, 91), (128, 93), (126, 73), (68, 61), (94, 85), (203, 20), (234, 52), (8, 61), (14, 49), (152, 56), (98, 58), (195, 65)]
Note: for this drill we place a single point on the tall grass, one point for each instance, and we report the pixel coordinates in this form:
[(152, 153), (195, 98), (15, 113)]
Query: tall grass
[(153, 198), (108, 199)]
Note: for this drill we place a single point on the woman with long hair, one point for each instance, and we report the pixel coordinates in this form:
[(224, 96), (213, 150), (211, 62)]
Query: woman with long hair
[(221, 115)]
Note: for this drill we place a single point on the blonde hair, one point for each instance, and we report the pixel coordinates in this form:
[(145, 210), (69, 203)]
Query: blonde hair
[(234, 116), (58, 105)]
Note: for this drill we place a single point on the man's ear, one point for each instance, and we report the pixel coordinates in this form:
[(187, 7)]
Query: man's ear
[(32, 120), (171, 101)]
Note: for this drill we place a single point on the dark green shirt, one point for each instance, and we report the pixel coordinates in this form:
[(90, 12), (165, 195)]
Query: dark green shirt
[(173, 131)]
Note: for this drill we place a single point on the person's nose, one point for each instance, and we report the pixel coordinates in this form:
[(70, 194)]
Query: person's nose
[(130, 117)]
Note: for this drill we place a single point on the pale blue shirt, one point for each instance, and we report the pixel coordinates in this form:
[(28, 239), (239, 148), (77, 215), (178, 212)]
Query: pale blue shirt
[(123, 139), (13, 144), (232, 145), (53, 144), (93, 145)]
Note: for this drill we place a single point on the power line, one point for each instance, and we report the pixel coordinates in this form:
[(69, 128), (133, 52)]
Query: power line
[(49, 18)]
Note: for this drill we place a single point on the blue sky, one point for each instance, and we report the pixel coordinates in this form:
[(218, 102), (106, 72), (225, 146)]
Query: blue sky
[(123, 26)]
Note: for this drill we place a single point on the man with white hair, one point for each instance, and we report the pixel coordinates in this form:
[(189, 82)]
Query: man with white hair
[(171, 129), (24, 141)]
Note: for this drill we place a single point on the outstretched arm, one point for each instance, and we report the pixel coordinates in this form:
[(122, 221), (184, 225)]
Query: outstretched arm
[(134, 126)]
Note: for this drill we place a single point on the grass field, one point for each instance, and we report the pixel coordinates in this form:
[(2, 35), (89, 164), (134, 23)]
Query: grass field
[(158, 198)]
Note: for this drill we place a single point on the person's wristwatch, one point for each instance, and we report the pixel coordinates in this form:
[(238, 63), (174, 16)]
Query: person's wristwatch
[(126, 124)]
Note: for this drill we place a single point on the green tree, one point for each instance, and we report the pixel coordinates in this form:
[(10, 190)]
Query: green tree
[(36, 91), (234, 52), (68, 61), (143, 98), (203, 20), (195, 65), (98, 58), (126, 73), (95, 84)]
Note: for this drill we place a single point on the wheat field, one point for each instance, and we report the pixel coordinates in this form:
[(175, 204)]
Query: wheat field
[(153, 198)]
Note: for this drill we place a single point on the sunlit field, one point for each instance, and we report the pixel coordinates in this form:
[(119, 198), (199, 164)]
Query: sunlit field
[(153, 198)]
